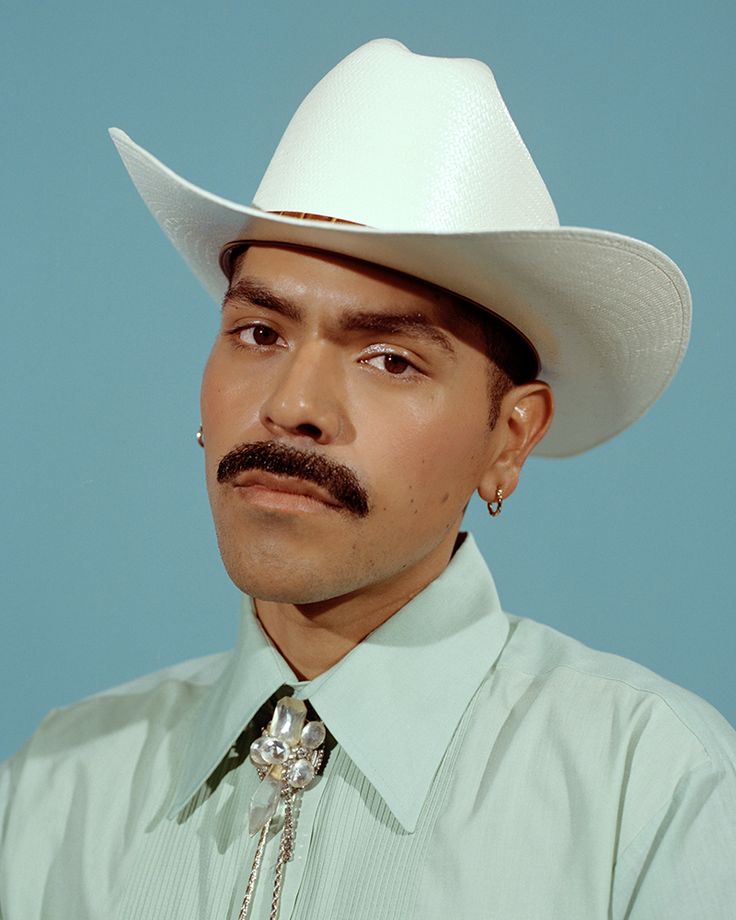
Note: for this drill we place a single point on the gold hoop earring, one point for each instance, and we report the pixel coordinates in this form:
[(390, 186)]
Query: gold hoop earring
[(200, 437), (498, 502)]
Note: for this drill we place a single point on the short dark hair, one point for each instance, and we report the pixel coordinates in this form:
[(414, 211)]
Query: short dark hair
[(512, 359)]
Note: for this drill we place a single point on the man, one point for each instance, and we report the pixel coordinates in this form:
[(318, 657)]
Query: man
[(400, 312)]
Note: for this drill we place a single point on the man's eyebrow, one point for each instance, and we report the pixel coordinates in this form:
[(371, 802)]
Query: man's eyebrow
[(415, 325), (249, 291)]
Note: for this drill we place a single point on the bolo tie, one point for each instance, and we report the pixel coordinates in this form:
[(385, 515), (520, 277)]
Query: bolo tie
[(288, 755)]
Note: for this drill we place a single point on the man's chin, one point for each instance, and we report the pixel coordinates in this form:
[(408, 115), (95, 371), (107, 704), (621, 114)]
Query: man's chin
[(296, 594), (288, 581)]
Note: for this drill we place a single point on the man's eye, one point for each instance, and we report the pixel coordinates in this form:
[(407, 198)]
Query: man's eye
[(258, 334), (393, 364)]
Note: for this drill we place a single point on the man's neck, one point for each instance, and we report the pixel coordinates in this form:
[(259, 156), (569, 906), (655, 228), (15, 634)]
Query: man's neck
[(313, 637)]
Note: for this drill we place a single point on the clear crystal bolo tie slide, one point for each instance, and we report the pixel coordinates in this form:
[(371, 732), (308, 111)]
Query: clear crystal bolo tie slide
[(287, 756)]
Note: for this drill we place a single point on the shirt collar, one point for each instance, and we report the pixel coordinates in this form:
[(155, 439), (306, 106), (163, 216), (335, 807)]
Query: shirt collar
[(392, 703)]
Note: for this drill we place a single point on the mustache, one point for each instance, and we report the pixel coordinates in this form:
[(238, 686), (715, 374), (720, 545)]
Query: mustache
[(338, 480)]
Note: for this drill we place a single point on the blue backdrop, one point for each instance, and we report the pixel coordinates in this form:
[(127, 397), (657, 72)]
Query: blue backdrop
[(110, 566)]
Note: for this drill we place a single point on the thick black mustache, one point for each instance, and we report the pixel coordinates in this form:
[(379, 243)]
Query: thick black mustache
[(271, 457)]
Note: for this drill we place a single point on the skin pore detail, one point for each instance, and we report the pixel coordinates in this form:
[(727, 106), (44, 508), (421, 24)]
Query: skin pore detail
[(323, 365)]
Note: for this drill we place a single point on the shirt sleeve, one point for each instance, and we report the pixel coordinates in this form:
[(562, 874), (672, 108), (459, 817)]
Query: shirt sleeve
[(9, 771), (682, 864), (4, 808)]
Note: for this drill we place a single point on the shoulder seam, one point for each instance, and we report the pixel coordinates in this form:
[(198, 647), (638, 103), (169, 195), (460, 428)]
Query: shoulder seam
[(618, 680)]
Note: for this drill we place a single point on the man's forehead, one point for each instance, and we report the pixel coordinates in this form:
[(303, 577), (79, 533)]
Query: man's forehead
[(350, 283)]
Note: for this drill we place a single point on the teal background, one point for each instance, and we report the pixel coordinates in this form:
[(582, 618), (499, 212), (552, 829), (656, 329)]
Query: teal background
[(110, 567)]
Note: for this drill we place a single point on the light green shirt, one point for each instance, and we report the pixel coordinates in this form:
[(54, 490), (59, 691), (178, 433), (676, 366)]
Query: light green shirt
[(485, 767)]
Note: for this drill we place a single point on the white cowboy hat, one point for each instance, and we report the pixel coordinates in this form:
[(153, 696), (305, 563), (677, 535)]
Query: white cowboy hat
[(422, 152)]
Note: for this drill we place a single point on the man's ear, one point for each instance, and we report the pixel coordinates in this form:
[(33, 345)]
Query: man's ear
[(524, 417)]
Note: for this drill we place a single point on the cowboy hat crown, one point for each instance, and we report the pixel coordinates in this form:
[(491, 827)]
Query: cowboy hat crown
[(400, 141)]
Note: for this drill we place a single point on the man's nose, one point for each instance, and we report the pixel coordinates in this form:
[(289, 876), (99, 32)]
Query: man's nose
[(304, 399)]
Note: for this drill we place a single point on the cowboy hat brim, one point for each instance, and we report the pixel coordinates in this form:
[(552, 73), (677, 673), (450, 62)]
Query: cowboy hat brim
[(608, 315)]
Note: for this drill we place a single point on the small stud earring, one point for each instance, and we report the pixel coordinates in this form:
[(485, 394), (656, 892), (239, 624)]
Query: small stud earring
[(498, 502), (200, 437)]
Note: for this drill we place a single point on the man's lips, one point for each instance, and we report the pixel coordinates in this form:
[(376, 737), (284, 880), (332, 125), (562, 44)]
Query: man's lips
[(290, 485)]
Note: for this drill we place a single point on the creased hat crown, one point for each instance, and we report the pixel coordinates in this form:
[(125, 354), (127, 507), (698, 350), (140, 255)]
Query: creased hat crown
[(405, 142)]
